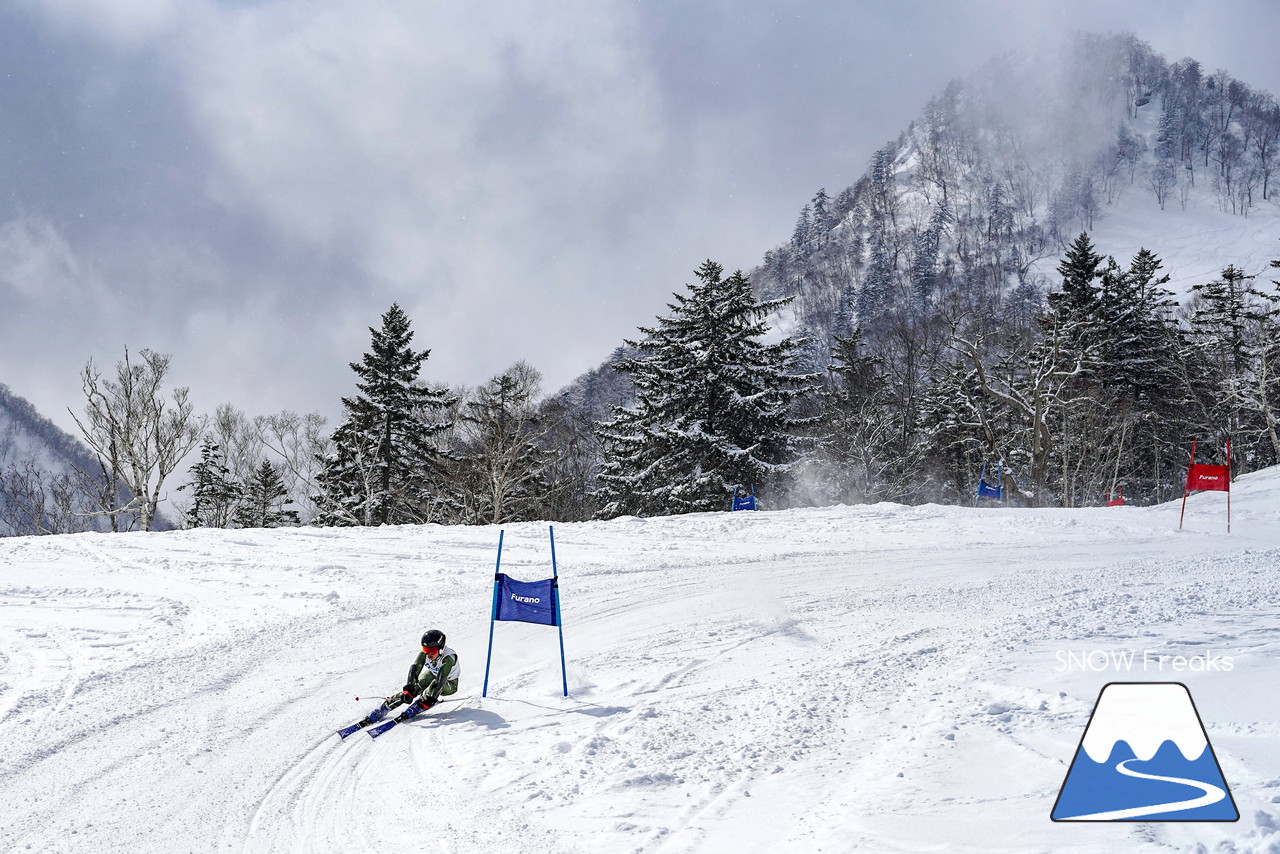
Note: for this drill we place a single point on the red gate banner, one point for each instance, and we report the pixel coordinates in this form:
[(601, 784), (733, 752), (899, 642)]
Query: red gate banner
[(1203, 478), (1209, 478)]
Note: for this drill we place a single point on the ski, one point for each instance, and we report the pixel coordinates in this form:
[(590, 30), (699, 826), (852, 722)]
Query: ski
[(374, 716), (378, 714), (380, 729), (403, 716), (355, 727)]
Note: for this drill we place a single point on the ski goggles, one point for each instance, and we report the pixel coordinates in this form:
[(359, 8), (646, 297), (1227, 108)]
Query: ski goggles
[(432, 651)]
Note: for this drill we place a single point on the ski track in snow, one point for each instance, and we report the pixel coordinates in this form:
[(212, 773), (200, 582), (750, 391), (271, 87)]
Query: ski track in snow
[(877, 677)]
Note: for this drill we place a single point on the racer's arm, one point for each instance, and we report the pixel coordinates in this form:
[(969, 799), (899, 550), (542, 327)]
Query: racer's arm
[(446, 667), (411, 684)]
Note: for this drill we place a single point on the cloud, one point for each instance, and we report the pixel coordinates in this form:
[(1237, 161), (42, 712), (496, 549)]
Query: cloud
[(402, 134), (248, 184), (36, 261), (128, 25)]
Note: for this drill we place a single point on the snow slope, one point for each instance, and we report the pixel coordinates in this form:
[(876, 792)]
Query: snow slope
[(880, 678), (1195, 242)]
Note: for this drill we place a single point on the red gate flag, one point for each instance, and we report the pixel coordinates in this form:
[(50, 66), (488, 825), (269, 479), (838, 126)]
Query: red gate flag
[(1203, 478), (1209, 478)]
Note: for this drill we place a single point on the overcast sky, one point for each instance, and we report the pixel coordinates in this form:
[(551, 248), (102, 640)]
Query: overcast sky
[(249, 185)]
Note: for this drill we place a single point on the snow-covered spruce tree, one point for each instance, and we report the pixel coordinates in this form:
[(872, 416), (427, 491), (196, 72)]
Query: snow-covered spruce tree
[(1134, 325), (712, 409), (803, 232), (265, 500), (876, 293), (1076, 303), (385, 467), (1137, 375), (924, 267), (1234, 324), (215, 494), (1266, 384)]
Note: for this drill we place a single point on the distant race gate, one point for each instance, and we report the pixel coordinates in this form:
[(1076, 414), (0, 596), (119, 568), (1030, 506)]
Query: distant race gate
[(1207, 478)]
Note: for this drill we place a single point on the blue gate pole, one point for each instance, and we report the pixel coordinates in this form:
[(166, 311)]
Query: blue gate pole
[(1000, 479), (555, 585), (493, 616)]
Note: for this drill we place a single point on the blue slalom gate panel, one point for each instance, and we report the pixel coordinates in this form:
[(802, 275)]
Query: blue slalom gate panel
[(526, 601)]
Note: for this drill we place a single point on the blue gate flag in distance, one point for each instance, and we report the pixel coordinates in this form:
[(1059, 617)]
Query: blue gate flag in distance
[(526, 601), (986, 490)]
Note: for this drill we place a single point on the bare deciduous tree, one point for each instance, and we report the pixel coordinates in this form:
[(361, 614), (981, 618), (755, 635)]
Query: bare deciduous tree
[(502, 463), (138, 436), (301, 443), (34, 501)]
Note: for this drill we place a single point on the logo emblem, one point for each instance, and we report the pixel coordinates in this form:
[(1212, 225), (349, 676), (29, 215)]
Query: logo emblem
[(1145, 756)]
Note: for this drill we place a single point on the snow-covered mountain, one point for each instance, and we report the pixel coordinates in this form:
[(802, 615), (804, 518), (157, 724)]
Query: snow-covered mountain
[(33, 452), (25, 434), (878, 677), (970, 208)]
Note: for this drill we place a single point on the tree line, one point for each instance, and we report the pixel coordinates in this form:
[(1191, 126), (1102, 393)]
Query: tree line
[(1099, 388)]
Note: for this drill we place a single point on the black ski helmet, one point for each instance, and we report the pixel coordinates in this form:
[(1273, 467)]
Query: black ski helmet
[(434, 637)]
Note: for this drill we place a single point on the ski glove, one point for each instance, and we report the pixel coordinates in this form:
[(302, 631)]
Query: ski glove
[(410, 689), (427, 702)]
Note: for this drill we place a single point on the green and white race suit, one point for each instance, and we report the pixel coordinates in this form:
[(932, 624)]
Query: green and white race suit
[(435, 678)]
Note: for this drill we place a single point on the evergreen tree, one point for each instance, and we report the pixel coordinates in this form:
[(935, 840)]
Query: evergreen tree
[(1138, 339), (1234, 326), (215, 495), (876, 292), (882, 197), (924, 267), (821, 205), (265, 499), (712, 408), (1075, 309), (1000, 221), (1266, 384), (1138, 375), (1221, 320), (1167, 136), (803, 232), (1080, 269), (386, 467)]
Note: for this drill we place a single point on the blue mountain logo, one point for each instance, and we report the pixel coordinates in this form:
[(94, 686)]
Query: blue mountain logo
[(1145, 756)]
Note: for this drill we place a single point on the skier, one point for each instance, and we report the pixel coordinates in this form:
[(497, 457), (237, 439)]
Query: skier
[(433, 674)]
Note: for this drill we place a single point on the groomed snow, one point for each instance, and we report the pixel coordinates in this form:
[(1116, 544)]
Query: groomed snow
[(880, 678)]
